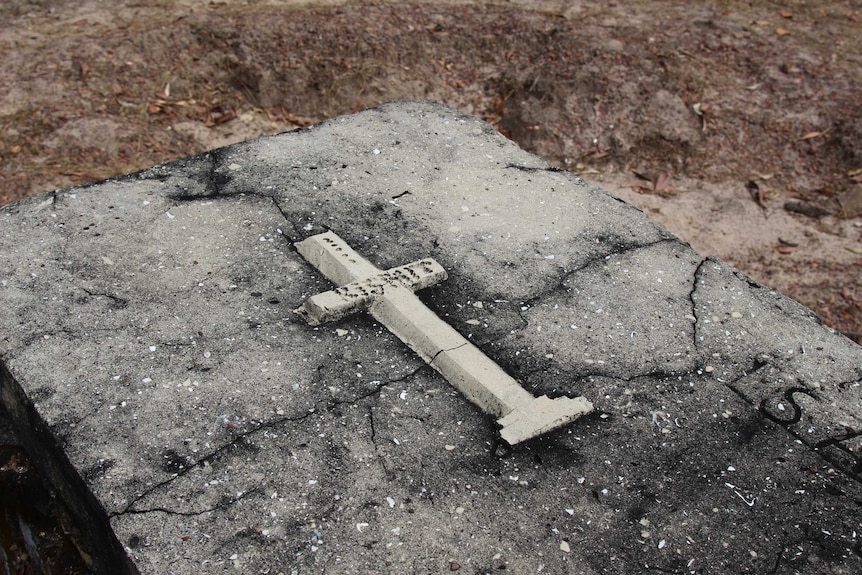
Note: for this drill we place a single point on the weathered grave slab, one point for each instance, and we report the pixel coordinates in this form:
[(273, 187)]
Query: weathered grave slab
[(153, 363)]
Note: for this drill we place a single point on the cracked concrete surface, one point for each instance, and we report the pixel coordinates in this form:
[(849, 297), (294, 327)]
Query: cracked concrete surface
[(146, 326)]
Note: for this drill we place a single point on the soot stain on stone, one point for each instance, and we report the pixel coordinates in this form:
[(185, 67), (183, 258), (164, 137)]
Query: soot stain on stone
[(42, 393), (98, 470), (173, 462)]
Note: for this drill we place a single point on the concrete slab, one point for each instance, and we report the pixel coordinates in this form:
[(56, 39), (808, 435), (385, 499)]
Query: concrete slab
[(153, 365)]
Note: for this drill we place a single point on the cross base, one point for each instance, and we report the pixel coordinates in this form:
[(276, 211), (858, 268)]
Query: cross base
[(541, 415)]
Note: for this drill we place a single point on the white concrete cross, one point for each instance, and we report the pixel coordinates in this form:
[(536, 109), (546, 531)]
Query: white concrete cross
[(388, 296)]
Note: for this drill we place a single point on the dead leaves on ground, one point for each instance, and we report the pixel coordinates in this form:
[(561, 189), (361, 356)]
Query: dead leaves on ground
[(786, 246), (760, 192), (211, 114), (289, 117), (657, 183), (215, 113)]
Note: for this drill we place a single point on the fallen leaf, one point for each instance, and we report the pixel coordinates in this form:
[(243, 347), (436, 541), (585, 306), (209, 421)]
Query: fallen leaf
[(782, 249), (662, 182), (82, 68), (811, 135), (758, 193), (595, 153), (645, 176), (782, 31), (857, 172), (638, 187), (700, 108), (786, 14), (291, 118), (855, 250), (790, 243)]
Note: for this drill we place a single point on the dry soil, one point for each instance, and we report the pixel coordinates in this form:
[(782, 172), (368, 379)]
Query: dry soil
[(737, 125)]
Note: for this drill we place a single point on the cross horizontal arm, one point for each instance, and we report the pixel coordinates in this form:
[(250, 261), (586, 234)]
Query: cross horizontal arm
[(359, 295)]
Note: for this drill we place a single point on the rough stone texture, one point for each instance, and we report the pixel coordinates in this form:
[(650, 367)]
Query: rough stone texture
[(146, 324)]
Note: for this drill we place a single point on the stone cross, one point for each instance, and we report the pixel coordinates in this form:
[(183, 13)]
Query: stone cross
[(389, 297)]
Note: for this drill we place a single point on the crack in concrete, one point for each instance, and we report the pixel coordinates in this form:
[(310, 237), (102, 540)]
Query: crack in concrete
[(524, 307), (373, 428), (521, 308), (289, 220), (121, 302), (294, 220), (698, 274), (53, 201), (380, 457), (533, 170), (436, 355), (242, 437), (214, 181), (224, 504), (621, 249)]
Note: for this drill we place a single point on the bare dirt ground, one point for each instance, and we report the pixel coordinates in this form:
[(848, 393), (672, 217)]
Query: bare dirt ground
[(737, 125)]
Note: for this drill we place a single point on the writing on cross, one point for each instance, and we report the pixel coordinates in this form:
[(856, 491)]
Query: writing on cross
[(388, 295)]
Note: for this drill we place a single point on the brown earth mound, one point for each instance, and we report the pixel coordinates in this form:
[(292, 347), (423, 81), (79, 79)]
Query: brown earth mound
[(738, 127)]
